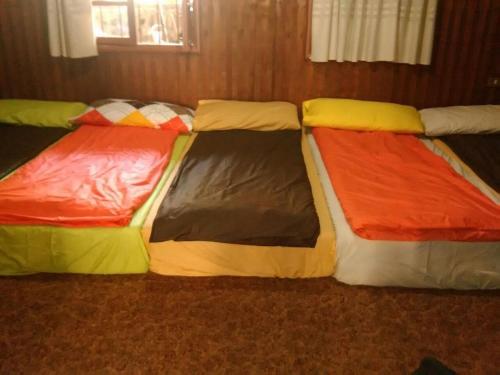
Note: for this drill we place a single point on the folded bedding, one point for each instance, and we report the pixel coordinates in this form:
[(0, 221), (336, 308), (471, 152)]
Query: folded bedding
[(95, 176), (240, 187), (22, 143), (480, 152), (392, 187)]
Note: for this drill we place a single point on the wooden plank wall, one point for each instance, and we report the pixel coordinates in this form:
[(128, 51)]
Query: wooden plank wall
[(254, 50)]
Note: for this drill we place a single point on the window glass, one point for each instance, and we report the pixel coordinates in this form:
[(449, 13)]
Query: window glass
[(111, 21), (159, 22)]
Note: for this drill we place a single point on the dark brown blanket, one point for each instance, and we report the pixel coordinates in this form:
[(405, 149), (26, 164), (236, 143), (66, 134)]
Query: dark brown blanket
[(241, 187), (20, 143), (481, 152)]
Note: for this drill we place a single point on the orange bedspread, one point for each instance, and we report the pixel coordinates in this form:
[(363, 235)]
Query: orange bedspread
[(96, 176), (391, 187)]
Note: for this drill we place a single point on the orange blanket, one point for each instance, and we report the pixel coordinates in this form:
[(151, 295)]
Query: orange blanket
[(96, 176), (391, 187)]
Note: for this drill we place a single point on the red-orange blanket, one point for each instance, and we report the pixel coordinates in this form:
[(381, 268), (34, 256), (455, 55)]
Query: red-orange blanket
[(96, 176), (391, 187)]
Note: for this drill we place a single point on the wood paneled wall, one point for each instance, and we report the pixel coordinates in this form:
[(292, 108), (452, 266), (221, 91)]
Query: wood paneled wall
[(254, 50)]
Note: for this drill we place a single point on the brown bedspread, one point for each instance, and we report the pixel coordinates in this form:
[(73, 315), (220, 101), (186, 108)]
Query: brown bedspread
[(241, 187), (481, 152), (20, 143)]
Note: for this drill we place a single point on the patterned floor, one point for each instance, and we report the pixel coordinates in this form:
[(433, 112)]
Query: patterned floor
[(153, 324)]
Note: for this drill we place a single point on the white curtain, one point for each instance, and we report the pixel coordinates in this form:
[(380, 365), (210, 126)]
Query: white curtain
[(70, 28), (373, 30)]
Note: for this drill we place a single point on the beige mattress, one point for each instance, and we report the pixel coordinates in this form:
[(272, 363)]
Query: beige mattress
[(202, 258)]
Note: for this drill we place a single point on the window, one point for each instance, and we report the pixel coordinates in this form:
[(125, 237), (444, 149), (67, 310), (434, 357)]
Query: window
[(146, 24)]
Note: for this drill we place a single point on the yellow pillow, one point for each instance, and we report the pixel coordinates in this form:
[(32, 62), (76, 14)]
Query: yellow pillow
[(362, 115), (229, 114)]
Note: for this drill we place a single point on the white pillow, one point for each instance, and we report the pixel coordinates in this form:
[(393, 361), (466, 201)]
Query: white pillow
[(461, 120)]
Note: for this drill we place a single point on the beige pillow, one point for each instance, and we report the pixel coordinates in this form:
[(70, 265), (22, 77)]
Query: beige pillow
[(461, 120), (229, 114)]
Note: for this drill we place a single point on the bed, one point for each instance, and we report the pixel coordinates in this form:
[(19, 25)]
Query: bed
[(93, 191), (21, 143), (409, 255), (242, 203)]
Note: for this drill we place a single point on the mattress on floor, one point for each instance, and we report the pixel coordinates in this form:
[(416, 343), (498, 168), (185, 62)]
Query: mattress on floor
[(419, 264), (26, 249), (293, 248), (20, 143)]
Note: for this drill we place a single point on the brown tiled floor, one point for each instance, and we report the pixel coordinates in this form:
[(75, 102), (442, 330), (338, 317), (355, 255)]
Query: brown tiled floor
[(153, 324)]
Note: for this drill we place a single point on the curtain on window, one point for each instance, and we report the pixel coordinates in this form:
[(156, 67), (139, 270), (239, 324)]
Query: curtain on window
[(70, 28), (373, 30)]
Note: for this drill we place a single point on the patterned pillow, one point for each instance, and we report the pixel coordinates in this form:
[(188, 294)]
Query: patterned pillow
[(122, 112)]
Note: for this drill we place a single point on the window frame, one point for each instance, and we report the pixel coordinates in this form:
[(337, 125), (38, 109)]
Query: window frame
[(190, 30)]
